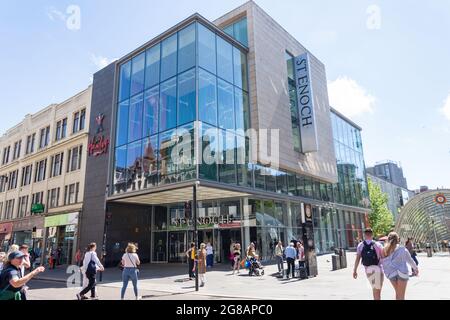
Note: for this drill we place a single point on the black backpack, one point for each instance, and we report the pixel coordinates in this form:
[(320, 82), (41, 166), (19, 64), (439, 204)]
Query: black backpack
[(369, 254)]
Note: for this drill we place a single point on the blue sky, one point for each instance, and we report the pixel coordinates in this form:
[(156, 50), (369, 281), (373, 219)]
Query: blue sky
[(387, 62)]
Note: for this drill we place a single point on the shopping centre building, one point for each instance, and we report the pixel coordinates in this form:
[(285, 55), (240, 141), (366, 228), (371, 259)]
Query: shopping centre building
[(192, 91), (42, 162)]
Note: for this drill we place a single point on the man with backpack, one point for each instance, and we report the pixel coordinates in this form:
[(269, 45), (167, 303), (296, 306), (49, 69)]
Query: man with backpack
[(91, 264), (369, 252)]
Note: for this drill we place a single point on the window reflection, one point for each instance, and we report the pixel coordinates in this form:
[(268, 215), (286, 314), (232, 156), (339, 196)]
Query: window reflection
[(207, 99), (135, 118), (186, 97), (168, 105), (186, 48), (151, 104), (134, 166), (225, 105), (169, 57), (138, 74)]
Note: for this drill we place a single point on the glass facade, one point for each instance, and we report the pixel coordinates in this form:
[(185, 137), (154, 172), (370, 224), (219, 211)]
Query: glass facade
[(160, 91), (238, 30), (352, 186)]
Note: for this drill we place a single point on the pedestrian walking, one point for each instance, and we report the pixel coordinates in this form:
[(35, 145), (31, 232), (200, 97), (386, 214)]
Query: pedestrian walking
[(78, 258), (209, 255), (130, 264), (291, 254), (300, 255), (12, 281), (2, 260), (395, 265), (231, 253), (54, 258), (190, 254), (410, 245), (237, 257), (201, 264), (279, 256), (91, 264), (370, 253)]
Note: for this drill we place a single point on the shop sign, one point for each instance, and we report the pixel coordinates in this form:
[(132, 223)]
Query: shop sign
[(6, 228), (37, 234), (99, 144), (61, 220), (70, 228), (308, 126), (205, 222), (37, 208)]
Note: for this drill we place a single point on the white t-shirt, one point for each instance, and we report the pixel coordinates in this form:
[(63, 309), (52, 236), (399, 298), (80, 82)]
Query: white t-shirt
[(131, 260), (209, 250)]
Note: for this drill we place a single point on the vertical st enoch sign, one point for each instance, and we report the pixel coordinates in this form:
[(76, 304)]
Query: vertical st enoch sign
[(308, 126)]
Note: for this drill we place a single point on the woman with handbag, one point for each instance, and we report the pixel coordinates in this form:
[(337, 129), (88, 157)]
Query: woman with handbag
[(130, 264)]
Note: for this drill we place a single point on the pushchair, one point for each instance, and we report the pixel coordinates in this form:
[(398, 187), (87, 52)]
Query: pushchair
[(254, 267)]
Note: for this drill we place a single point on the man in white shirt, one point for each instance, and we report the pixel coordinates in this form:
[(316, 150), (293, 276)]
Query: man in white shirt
[(91, 264)]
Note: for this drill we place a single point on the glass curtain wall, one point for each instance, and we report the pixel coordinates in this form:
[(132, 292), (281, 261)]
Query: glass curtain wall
[(157, 98)]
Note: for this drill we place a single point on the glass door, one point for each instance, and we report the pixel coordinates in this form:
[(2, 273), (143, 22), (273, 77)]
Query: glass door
[(177, 246)]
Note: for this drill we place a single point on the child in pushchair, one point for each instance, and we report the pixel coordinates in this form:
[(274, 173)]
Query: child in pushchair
[(255, 267)]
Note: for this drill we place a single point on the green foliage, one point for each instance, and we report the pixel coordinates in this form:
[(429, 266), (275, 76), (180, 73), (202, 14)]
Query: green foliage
[(381, 218)]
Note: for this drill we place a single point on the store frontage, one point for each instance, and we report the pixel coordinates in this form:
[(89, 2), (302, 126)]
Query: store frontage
[(29, 231), (5, 235), (61, 236)]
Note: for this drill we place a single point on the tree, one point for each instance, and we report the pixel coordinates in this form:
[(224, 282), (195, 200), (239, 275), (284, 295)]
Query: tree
[(381, 218)]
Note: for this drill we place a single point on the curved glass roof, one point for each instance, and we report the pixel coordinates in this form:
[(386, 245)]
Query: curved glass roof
[(426, 217)]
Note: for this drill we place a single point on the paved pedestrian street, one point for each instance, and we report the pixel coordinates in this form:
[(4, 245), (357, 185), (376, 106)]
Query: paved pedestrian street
[(168, 282)]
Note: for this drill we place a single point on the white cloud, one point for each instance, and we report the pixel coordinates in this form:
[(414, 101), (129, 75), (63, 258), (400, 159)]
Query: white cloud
[(348, 97), (53, 14), (446, 108), (100, 62)]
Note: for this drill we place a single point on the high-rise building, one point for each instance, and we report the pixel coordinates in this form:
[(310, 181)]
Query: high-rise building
[(390, 171)]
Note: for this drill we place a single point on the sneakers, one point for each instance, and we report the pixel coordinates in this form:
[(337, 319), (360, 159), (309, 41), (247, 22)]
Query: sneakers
[(138, 298), (80, 297)]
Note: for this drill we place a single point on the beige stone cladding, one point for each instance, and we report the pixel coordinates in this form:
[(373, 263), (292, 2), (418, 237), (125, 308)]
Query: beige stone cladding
[(71, 109), (269, 99)]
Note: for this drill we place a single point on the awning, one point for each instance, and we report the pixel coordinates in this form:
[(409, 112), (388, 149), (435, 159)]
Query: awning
[(179, 195)]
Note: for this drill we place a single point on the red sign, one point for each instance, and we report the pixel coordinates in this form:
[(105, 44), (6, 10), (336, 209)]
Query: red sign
[(99, 144)]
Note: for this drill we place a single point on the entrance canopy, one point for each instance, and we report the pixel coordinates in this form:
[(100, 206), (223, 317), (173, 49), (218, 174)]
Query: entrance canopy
[(178, 195)]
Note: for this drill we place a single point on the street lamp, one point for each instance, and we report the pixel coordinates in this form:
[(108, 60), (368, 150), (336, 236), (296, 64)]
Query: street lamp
[(435, 236), (194, 204)]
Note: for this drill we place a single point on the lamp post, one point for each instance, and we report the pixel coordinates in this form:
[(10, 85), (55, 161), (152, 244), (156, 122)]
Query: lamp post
[(194, 205), (435, 236)]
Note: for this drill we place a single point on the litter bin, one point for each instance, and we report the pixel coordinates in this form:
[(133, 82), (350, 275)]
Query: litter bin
[(336, 262), (343, 258), (429, 251)]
